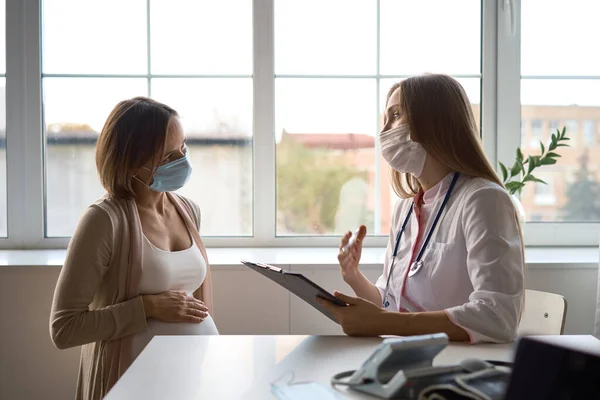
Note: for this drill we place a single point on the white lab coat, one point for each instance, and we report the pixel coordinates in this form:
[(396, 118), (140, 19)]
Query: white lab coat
[(473, 266)]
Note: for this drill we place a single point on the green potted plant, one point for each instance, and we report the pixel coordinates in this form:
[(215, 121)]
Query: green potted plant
[(515, 177)]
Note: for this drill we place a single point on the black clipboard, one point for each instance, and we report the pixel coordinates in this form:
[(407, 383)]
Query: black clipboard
[(298, 284)]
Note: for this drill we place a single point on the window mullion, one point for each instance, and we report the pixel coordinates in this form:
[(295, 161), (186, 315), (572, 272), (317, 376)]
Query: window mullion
[(24, 124), (264, 203), (148, 49), (508, 125), (377, 186), (489, 82)]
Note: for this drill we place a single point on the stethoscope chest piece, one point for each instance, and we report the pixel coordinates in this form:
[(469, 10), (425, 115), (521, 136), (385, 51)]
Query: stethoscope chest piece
[(386, 302), (415, 267)]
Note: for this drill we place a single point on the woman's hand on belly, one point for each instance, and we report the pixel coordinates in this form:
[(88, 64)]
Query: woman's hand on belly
[(173, 306)]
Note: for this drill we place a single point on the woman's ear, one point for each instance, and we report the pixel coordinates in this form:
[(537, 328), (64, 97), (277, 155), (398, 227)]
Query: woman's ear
[(413, 136)]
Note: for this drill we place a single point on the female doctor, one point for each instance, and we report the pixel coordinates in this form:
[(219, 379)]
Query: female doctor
[(454, 260)]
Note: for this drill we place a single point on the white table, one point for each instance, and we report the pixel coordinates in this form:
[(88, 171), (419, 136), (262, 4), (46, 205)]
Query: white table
[(243, 367)]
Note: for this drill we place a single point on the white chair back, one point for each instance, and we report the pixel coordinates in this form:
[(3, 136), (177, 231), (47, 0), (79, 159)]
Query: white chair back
[(544, 314)]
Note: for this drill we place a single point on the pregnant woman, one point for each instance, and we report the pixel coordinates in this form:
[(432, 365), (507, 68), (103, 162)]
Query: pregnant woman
[(136, 265)]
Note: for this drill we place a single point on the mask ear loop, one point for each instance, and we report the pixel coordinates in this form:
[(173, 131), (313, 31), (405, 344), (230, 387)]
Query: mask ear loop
[(146, 184), (142, 182), (291, 380)]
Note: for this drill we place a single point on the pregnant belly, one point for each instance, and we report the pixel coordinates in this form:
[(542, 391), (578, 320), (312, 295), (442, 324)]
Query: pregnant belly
[(155, 327), (206, 327)]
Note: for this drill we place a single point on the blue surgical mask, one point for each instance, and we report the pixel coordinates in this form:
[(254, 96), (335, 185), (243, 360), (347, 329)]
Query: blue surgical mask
[(173, 175)]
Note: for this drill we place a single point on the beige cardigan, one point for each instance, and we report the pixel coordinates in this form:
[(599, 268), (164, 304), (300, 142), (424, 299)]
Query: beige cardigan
[(96, 300)]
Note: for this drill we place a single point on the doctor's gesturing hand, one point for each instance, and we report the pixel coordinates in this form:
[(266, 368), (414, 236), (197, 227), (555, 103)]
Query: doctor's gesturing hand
[(349, 259), (349, 255)]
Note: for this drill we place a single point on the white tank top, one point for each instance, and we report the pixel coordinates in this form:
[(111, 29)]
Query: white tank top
[(162, 270)]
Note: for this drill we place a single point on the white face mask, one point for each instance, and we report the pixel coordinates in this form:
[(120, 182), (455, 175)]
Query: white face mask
[(400, 152)]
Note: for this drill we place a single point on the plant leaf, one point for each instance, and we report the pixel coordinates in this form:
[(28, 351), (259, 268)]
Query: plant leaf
[(531, 163), (514, 187), (553, 155), (548, 161), (563, 145), (543, 148), (553, 138), (504, 171), (519, 154), (531, 178), (516, 168), (564, 131)]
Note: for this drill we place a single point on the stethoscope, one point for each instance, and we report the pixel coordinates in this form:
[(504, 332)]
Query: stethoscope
[(418, 263)]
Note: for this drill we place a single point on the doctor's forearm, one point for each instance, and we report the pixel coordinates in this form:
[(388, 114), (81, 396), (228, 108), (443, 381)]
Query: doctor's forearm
[(408, 324), (364, 288)]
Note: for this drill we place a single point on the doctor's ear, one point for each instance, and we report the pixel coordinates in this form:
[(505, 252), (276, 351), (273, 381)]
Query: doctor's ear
[(414, 137)]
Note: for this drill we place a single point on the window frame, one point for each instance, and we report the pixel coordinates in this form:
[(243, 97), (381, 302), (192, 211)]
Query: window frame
[(3, 76), (500, 119), (507, 134)]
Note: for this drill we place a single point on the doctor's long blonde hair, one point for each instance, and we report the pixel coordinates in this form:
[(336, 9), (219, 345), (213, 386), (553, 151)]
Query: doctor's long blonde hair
[(441, 119)]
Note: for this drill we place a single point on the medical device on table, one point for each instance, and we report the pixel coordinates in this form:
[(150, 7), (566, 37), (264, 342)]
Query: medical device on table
[(403, 368)]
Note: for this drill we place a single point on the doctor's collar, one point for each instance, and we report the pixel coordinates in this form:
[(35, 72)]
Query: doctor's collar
[(436, 192)]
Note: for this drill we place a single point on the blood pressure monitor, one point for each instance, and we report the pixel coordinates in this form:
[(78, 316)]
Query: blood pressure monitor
[(394, 363)]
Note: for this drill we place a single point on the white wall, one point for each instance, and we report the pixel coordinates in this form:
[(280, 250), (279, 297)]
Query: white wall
[(30, 366), (245, 303)]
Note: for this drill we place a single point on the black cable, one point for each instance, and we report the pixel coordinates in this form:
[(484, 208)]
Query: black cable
[(507, 364), (336, 380)]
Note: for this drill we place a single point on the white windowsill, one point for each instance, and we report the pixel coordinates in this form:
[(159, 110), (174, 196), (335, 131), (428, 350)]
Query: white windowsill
[(536, 257)]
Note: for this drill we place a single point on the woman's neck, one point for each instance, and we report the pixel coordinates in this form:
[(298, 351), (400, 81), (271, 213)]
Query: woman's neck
[(433, 173), (148, 199)]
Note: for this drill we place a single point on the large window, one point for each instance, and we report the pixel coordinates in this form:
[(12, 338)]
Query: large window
[(177, 52), (565, 89), (330, 87), (282, 103)]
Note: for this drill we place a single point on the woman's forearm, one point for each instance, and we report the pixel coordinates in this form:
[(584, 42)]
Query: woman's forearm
[(70, 327), (364, 288), (422, 323)]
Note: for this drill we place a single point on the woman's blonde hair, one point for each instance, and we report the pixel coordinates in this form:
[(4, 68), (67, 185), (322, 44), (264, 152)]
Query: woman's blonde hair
[(440, 118), (134, 134), (451, 136)]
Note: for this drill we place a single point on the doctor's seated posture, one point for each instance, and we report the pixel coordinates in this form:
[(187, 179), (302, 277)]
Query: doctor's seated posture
[(136, 265), (454, 261)]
